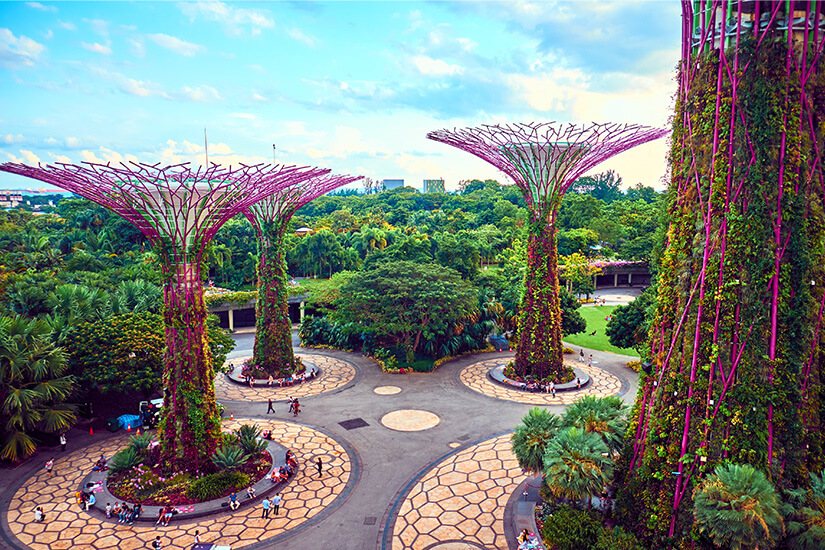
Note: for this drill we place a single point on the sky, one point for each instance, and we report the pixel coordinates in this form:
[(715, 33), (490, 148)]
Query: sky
[(350, 86)]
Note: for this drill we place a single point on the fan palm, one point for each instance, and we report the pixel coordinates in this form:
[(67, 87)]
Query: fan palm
[(577, 464), (32, 385), (531, 437), (737, 508), (812, 514), (604, 416)]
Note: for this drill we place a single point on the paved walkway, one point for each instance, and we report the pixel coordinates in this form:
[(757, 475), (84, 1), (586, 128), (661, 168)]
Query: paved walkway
[(397, 479), (67, 526), (335, 373)]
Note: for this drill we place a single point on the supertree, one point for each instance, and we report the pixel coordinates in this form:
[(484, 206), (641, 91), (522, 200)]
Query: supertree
[(270, 217), (736, 338), (178, 209), (543, 160)]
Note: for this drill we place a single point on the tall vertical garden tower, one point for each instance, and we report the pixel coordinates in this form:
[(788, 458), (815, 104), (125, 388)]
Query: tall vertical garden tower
[(179, 210), (543, 160), (737, 335), (273, 335)]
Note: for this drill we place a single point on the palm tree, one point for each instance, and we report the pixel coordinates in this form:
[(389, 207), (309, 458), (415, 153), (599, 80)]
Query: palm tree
[(604, 416), (577, 464), (530, 440), (737, 508), (136, 296), (32, 385), (811, 529)]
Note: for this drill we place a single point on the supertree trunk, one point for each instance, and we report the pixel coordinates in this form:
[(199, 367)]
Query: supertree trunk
[(539, 350), (737, 335), (273, 330), (190, 426)]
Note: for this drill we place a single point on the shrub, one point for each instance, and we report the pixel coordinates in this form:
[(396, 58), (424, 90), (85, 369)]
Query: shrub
[(229, 457), (569, 529), (634, 365), (125, 459), (617, 539), (567, 351), (140, 443), (215, 485)]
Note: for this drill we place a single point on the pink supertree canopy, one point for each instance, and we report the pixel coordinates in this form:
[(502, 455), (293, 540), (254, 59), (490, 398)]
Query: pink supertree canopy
[(544, 158)]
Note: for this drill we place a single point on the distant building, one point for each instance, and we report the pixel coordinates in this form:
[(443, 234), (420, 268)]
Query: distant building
[(9, 200), (434, 186), (392, 184)]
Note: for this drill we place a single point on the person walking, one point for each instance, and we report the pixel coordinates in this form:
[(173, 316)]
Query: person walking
[(62, 443), (198, 539), (265, 505), (276, 503), (296, 408), (553, 388), (581, 356), (291, 404), (270, 408), (50, 466), (320, 466)]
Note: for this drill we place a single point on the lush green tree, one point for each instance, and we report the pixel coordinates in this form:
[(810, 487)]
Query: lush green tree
[(570, 529), (617, 539), (404, 302), (737, 508), (808, 531), (531, 437), (579, 240), (578, 273), (572, 321), (605, 186), (577, 464), (33, 385), (459, 252), (629, 324), (136, 296)]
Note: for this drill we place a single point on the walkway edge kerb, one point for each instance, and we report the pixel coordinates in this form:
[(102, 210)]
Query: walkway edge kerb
[(389, 519)]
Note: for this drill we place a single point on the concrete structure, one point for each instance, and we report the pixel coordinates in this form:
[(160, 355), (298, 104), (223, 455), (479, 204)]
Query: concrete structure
[(234, 316), (434, 186), (392, 184)]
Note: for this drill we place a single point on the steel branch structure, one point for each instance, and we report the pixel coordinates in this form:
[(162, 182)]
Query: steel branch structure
[(273, 353), (179, 210), (737, 338), (543, 160)]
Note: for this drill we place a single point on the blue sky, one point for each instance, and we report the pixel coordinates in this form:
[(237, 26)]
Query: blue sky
[(352, 86)]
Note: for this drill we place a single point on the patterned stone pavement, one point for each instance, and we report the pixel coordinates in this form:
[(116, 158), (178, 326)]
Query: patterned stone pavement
[(474, 376), (335, 373), (460, 500), (67, 527)]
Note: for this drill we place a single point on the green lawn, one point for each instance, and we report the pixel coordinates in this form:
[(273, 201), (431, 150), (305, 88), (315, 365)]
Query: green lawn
[(595, 321)]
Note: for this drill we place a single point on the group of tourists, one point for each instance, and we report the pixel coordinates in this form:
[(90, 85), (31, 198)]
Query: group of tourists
[(289, 468), (123, 512)]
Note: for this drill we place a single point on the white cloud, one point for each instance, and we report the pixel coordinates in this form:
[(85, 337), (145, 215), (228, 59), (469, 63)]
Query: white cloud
[(258, 97), (435, 67), (12, 138), (201, 94), (99, 26), (233, 19), (17, 51), (30, 157), (41, 7), (72, 142), (138, 48), (13, 158), (98, 48), (48, 35), (67, 25), (61, 158), (51, 141), (89, 156), (221, 149), (138, 88), (176, 45), (116, 158), (346, 141), (300, 36)]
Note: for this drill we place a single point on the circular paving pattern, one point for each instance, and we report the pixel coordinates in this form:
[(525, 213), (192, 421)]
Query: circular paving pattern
[(410, 420), (461, 498), (335, 373), (387, 390), (67, 527), (474, 376)]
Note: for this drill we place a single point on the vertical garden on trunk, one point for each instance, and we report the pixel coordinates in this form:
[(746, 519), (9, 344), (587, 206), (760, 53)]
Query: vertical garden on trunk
[(736, 338)]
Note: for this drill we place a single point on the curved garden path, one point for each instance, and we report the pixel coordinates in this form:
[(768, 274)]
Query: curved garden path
[(305, 497)]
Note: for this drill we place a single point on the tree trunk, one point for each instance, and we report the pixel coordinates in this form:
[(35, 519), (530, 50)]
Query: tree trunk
[(273, 329), (539, 350), (190, 428)]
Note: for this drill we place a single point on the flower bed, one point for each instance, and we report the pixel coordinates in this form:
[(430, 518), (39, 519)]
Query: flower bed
[(149, 486)]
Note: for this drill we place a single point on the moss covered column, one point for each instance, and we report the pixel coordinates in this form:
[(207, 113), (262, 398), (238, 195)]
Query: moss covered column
[(189, 429), (539, 350), (273, 337)]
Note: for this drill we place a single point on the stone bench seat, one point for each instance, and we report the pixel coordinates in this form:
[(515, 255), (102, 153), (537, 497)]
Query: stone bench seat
[(496, 374)]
